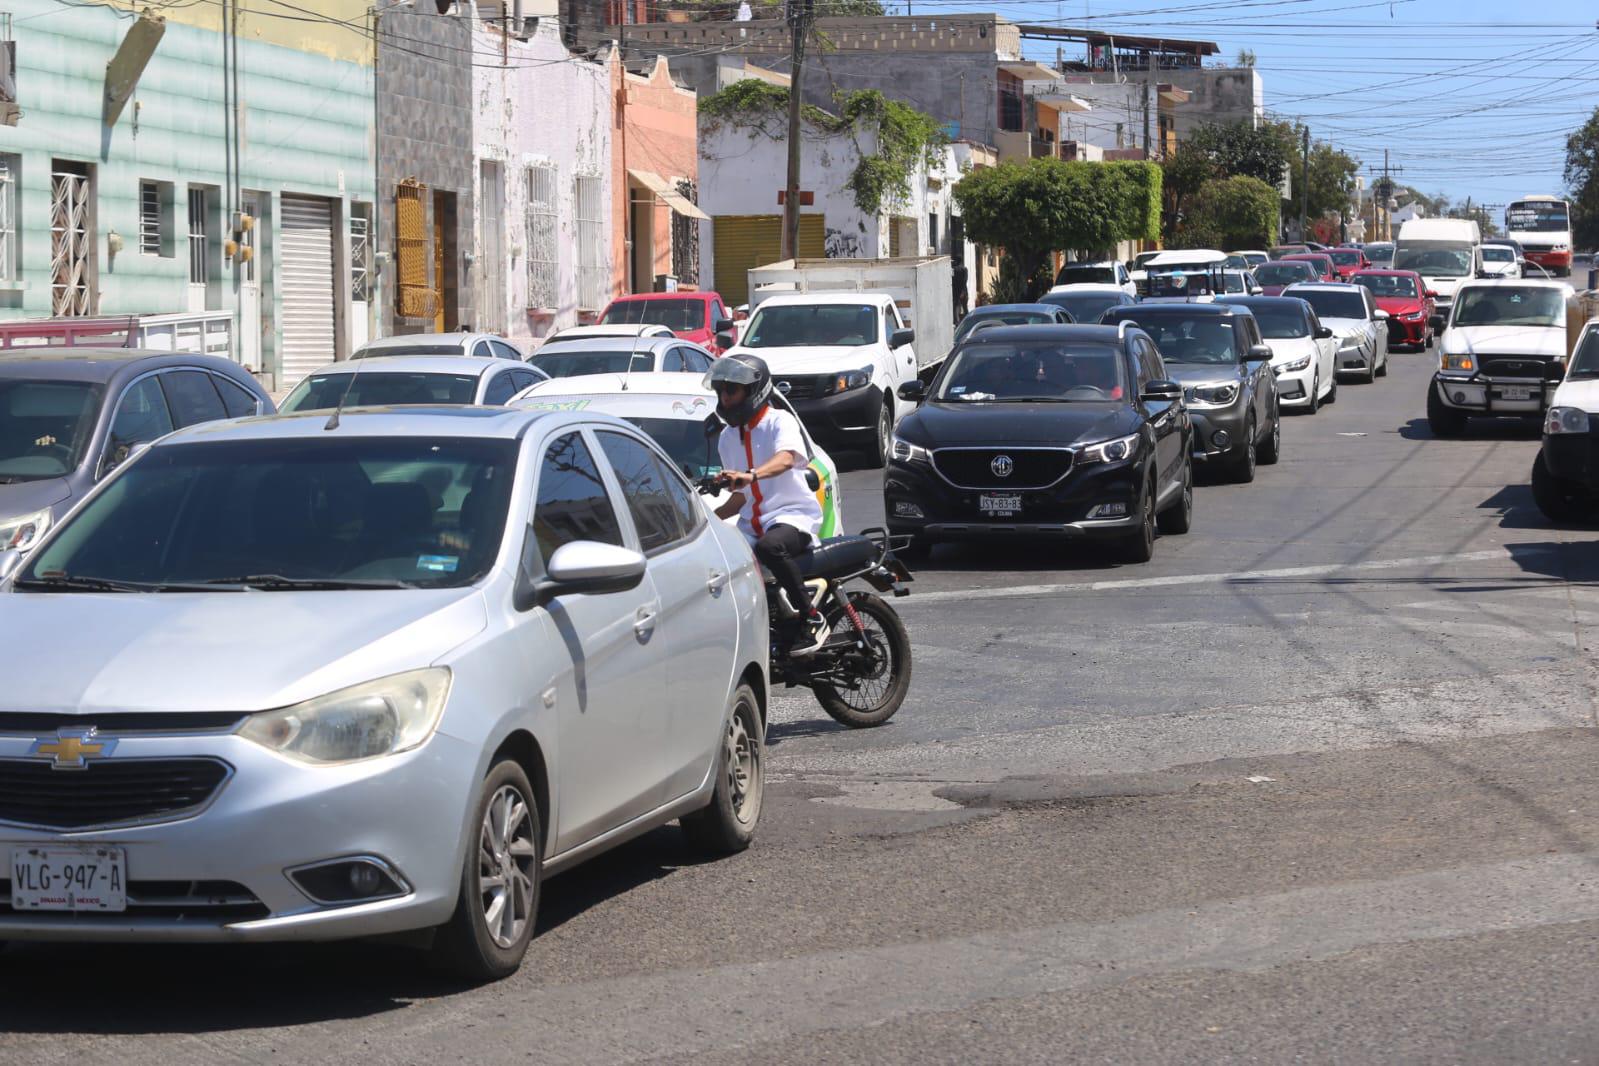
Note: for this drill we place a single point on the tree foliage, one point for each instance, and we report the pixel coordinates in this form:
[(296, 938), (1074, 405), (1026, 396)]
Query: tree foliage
[(1235, 212), (1184, 173), (1241, 147), (1582, 179), (1332, 177), (1045, 205)]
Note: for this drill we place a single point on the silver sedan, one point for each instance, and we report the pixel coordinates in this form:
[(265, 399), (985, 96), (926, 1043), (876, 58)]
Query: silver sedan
[(334, 679)]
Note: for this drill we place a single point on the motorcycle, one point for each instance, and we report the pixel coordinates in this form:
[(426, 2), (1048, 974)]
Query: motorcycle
[(862, 672)]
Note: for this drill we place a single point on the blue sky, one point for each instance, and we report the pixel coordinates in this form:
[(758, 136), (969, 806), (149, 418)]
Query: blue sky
[(1471, 97)]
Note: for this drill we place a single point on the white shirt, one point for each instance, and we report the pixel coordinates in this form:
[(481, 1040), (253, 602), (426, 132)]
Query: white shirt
[(783, 498)]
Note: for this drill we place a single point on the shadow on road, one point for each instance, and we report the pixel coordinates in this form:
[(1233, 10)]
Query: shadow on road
[(1510, 429), (778, 732), (1036, 556)]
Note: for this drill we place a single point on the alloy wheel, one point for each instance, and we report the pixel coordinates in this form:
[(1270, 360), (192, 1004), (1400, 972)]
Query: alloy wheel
[(507, 851)]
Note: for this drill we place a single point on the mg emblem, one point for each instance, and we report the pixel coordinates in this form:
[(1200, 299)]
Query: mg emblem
[(1002, 466)]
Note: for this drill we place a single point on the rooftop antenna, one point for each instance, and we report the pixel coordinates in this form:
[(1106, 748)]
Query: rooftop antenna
[(333, 419), (630, 357)]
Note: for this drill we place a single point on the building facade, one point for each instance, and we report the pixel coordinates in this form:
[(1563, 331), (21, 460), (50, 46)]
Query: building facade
[(656, 181)]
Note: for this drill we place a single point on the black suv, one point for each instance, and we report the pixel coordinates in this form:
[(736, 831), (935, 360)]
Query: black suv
[(1066, 431), (1216, 351)]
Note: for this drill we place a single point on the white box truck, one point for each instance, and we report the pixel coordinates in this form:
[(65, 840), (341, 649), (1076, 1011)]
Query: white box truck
[(1444, 251)]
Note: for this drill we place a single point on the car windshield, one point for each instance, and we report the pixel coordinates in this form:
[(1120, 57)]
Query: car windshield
[(571, 361), (1287, 249), (684, 440), (1387, 284), (1085, 274), (386, 350), (1255, 259), (1083, 306), (1281, 321), (323, 512), (323, 392), (681, 316), (1380, 253), (998, 318), (821, 325), (1191, 338), (1538, 217), (1443, 259), (1585, 360), (45, 427), (1498, 253), (1333, 303), (1342, 257), (1165, 285), (1510, 305), (1283, 273), (1053, 372)]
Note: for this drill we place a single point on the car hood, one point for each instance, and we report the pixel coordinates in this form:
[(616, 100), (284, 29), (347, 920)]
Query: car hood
[(88, 653), (821, 359), (25, 497), (1287, 349), (1580, 394), (1016, 425), (1201, 373), (1399, 305), (1547, 342)]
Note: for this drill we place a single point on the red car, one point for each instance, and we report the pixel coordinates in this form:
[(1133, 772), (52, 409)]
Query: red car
[(692, 316), (1408, 301), (1325, 271), (1288, 249), (1348, 260)]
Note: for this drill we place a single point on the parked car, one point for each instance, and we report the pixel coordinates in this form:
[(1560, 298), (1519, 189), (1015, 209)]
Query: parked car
[(1499, 260), (1277, 275), (1303, 351), (1381, 254), (691, 316), (1408, 301), (1046, 431), (1043, 313), (1565, 475), (1502, 352), (673, 409), (476, 345), (1224, 365), (1086, 303), (839, 358), (1321, 262), (622, 355), (1348, 260), (1361, 326), (1108, 272), (1254, 257), (69, 416), (412, 381), (370, 680)]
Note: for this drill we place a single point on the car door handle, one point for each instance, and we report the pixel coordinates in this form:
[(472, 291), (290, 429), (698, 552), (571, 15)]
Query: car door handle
[(716, 582), (644, 621)]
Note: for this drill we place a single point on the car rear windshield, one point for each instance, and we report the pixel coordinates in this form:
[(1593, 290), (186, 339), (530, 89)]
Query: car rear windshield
[(1284, 273), (1055, 372), (680, 316), (1380, 253), (1000, 318), (386, 350), (1185, 338), (1498, 253), (1084, 306), (1509, 305), (1387, 284), (323, 392), (1333, 303), (326, 511), (567, 363), (1083, 274), (1345, 258), (45, 427), (1281, 322), (805, 325)]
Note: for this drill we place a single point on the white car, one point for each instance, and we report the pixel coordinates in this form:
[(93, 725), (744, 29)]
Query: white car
[(1500, 261), (1107, 272), (617, 329), (1303, 351), (1501, 352), (1565, 476), (1253, 256), (412, 380), (476, 345), (654, 354), (1351, 312)]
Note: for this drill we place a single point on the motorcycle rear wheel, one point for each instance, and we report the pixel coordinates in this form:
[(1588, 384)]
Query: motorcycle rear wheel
[(879, 692)]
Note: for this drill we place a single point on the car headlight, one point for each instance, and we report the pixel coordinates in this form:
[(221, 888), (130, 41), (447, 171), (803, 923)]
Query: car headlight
[(1212, 395), (1108, 451), (1566, 420), (1456, 361), (1302, 363), (24, 531), (382, 717), (904, 451), (1412, 316), (851, 379), (1561, 248)]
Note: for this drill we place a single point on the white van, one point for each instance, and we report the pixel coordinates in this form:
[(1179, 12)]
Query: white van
[(1444, 251)]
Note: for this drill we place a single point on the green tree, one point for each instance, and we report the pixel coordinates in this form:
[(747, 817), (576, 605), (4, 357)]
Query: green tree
[(1184, 173), (1332, 176), (1241, 147), (1046, 205), (1582, 178), (1235, 212)]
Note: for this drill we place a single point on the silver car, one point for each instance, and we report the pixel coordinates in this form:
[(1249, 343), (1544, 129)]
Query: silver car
[(412, 380), (331, 679)]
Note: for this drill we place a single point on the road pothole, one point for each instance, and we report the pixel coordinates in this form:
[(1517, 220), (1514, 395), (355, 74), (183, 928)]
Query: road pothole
[(888, 796)]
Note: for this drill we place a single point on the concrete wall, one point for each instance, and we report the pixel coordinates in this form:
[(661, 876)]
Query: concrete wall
[(1220, 94), (659, 135), (1113, 103)]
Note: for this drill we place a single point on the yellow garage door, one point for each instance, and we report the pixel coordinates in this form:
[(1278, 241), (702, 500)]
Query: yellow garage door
[(744, 242)]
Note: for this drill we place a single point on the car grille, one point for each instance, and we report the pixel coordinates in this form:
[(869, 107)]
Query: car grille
[(172, 900), (1520, 366), (803, 387), (105, 793), (1031, 468)]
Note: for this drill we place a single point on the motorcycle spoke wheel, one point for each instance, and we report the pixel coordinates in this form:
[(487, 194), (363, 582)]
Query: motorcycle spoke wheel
[(864, 686)]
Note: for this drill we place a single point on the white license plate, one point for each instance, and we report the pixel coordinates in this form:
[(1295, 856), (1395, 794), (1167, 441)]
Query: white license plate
[(1514, 392), (69, 879), (992, 503)]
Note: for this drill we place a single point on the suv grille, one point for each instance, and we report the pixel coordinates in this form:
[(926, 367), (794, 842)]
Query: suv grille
[(1031, 468), (803, 386), (1521, 366), (104, 793), (173, 900)]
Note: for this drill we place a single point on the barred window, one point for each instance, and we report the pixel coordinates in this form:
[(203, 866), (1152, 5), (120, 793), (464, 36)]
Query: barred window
[(543, 239), (591, 282)]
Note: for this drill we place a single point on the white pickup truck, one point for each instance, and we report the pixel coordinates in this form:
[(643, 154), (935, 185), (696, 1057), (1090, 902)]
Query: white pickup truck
[(840, 358)]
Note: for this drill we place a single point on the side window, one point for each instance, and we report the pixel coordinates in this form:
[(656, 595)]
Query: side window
[(696, 360), (572, 502), (674, 361), (239, 401), (192, 397), (1144, 357), (500, 390), (481, 350), (718, 313), (1153, 365), (505, 351), (521, 379), (644, 487), (142, 416), (890, 324)]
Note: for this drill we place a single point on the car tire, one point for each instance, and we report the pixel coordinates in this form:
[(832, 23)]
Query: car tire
[(1332, 391), (1431, 339), (726, 825), (882, 441), (1443, 420), (1179, 517), (1381, 369), (468, 945), (1139, 546), (1243, 465), (1315, 395), (1557, 498), (1272, 448)]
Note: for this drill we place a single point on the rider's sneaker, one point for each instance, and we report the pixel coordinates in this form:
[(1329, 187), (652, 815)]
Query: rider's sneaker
[(811, 636)]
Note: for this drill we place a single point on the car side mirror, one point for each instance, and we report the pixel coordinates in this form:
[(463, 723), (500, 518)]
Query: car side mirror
[(1383, 316), (726, 338), (1260, 353), (122, 453), (582, 567), (1429, 294), (914, 391), (722, 325), (1161, 391), (1437, 323), (901, 337), (10, 559), (1323, 332)]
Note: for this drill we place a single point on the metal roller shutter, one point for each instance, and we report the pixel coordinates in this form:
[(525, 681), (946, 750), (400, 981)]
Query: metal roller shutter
[(744, 242), (306, 284)]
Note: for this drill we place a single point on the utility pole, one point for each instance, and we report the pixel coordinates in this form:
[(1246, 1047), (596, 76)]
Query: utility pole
[(1304, 188), (1149, 91), (1381, 193), (799, 14)]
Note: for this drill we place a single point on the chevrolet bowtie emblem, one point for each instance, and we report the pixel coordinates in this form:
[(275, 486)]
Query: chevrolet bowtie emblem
[(71, 749)]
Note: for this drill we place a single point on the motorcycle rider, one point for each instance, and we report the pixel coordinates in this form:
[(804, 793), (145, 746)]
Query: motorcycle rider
[(763, 456)]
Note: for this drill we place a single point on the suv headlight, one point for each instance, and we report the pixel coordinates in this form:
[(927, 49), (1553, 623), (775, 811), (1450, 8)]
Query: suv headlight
[(382, 717), (1108, 451), (1302, 363), (24, 531), (851, 379), (1457, 361), (1566, 420), (904, 451), (1212, 395)]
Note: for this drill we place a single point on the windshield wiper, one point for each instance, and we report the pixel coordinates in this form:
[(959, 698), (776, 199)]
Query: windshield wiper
[(77, 583), (279, 582)]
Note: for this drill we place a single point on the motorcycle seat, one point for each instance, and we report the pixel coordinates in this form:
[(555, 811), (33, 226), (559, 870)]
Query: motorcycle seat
[(838, 555)]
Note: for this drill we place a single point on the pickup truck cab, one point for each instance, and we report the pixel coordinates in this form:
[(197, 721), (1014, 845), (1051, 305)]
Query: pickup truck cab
[(691, 316), (1565, 476), (839, 358), (1502, 352)]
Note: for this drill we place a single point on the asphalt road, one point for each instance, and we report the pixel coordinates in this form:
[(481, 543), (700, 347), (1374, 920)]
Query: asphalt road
[(1315, 785)]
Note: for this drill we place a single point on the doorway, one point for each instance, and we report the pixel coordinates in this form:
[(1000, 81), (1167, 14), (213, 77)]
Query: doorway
[(251, 326), (491, 260), (72, 265)]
